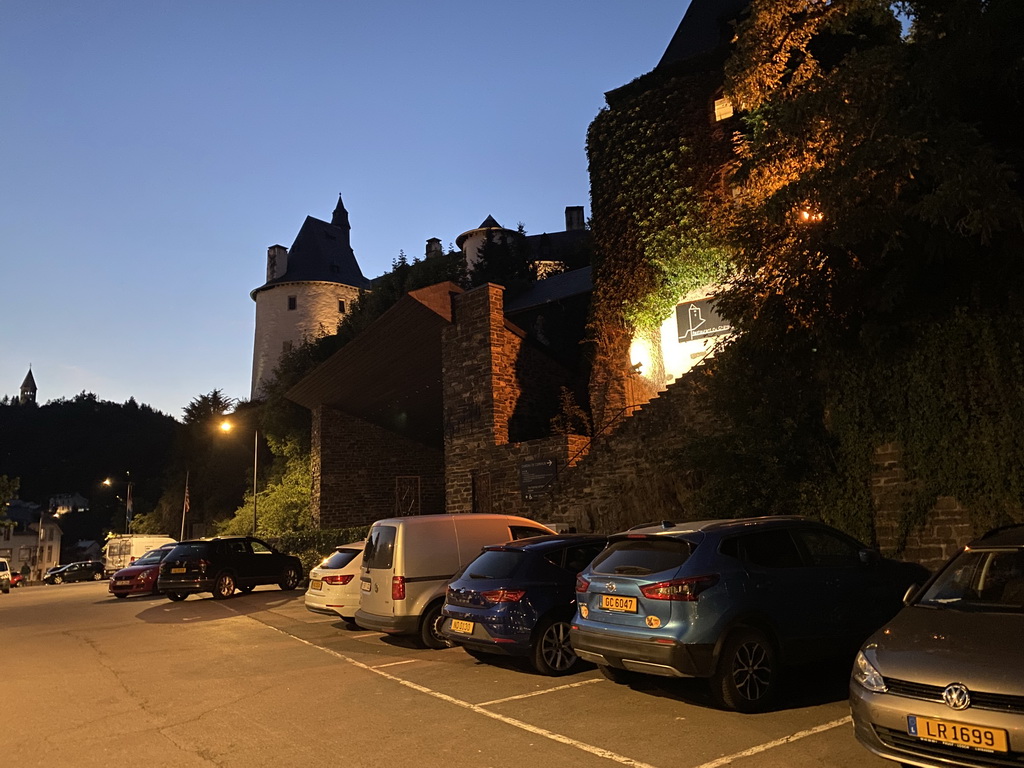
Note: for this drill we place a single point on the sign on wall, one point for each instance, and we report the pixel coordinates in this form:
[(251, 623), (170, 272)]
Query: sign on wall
[(535, 478), (696, 320)]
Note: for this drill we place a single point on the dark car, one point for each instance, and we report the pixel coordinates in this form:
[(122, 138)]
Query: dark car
[(519, 598), (943, 682), (86, 570), (141, 577), (223, 564), (733, 601)]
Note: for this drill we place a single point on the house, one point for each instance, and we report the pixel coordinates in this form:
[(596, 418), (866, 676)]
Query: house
[(34, 538)]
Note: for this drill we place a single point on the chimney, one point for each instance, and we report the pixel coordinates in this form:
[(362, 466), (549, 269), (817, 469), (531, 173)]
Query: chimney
[(277, 261), (574, 218), (434, 247)]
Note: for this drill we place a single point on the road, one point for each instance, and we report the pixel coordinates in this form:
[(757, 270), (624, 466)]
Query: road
[(257, 680)]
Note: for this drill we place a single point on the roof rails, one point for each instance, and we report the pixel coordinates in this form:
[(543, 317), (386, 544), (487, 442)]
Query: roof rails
[(665, 524)]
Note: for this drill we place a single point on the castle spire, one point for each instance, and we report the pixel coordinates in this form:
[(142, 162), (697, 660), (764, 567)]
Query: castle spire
[(340, 216)]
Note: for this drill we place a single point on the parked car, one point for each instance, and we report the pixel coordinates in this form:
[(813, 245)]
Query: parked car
[(732, 601), (334, 584), (408, 561), (518, 599), (85, 570), (223, 564), (943, 682), (140, 578), (17, 579), (5, 576)]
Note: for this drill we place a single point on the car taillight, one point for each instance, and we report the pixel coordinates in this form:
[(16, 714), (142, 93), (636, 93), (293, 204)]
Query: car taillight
[(503, 595), (582, 585), (687, 590), (337, 579), (398, 587)]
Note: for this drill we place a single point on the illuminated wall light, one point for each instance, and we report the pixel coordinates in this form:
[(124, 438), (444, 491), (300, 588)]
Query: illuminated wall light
[(641, 356)]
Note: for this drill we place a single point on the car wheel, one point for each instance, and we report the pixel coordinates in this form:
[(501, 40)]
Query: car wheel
[(97, 576), (289, 579), (747, 676), (58, 579), (176, 596), (7, 589), (552, 652), (430, 628), (247, 588), (120, 596), (224, 587), (616, 675)]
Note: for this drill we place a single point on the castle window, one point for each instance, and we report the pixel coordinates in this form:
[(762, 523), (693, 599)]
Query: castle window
[(341, 307), (286, 347), (292, 302), (723, 109)]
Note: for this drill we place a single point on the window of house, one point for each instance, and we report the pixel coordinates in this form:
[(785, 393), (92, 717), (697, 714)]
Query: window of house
[(723, 109), (292, 302), (49, 554), (5, 533), (341, 307), (49, 534)]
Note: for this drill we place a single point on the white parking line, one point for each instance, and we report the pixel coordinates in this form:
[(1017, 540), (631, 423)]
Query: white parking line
[(582, 746), (539, 693), (393, 664), (777, 743)]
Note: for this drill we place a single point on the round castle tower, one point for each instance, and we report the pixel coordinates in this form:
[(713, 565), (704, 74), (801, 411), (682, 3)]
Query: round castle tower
[(309, 289)]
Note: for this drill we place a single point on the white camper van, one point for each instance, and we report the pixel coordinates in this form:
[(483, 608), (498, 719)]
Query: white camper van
[(408, 561), (122, 550)]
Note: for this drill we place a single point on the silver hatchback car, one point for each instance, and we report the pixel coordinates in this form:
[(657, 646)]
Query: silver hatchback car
[(942, 684)]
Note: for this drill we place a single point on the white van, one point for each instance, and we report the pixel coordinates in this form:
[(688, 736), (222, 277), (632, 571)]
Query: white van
[(5, 576), (124, 549), (408, 562)]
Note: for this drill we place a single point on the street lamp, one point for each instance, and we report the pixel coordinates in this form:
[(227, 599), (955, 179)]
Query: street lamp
[(227, 426), (127, 500)]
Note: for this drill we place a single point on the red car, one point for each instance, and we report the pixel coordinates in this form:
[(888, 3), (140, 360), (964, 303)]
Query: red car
[(140, 578), (17, 579)]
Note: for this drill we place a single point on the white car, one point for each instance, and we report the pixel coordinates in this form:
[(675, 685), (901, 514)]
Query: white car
[(334, 584)]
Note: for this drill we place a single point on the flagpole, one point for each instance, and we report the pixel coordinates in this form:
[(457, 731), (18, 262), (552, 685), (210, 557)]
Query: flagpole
[(184, 508)]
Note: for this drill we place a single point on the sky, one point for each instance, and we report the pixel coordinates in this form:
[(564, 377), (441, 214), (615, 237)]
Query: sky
[(151, 151)]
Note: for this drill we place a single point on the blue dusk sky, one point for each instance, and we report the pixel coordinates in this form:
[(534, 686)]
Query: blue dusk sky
[(151, 151)]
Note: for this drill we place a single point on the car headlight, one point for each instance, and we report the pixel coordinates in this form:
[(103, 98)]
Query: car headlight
[(864, 672)]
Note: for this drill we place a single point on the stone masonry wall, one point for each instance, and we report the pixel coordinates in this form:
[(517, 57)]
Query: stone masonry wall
[(362, 473), (493, 378)]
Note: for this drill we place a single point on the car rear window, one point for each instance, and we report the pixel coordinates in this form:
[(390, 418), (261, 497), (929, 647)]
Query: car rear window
[(193, 549), (380, 547), (639, 557), (494, 564), (341, 558)]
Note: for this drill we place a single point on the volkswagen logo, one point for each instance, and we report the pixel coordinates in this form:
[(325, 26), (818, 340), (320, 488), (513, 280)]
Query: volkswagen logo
[(610, 586), (957, 696)]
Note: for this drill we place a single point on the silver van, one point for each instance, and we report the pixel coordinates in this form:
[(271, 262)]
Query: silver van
[(408, 562)]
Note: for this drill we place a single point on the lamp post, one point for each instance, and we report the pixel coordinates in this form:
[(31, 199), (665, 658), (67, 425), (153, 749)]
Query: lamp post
[(127, 501), (227, 426)]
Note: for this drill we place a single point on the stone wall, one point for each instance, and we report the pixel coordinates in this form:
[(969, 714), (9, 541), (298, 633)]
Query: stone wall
[(497, 387), (362, 473)]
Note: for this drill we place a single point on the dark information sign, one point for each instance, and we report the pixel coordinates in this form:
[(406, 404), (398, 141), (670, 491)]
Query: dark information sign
[(696, 320), (535, 478)]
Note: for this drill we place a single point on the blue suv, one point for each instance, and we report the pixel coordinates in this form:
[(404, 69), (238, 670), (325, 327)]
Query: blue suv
[(518, 599), (732, 601)]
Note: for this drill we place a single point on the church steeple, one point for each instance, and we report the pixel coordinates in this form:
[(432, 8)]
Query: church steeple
[(28, 389)]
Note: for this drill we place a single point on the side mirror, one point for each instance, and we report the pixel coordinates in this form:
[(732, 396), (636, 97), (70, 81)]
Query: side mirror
[(869, 556), (911, 592)]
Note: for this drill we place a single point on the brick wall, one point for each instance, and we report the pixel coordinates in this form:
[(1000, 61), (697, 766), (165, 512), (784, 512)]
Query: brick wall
[(363, 473)]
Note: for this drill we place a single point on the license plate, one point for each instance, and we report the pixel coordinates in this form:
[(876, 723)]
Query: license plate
[(364, 586), (618, 603), (465, 627), (958, 734), (316, 584), (122, 583), (177, 570)]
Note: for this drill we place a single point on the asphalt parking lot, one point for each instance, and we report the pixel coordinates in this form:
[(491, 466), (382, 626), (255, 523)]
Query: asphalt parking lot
[(258, 680)]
